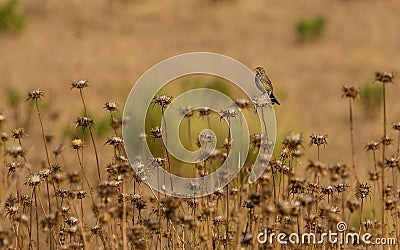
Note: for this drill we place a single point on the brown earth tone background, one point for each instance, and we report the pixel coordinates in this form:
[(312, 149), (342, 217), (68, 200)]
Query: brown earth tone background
[(111, 43)]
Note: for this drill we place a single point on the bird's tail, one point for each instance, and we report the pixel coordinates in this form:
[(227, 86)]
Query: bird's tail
[(273, 99)]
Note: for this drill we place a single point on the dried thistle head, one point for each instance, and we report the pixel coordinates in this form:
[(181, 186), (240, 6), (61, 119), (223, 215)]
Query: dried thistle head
[(297, 186), (338, 170), (115, 141), (4, 136), (36, 94), (77, 144), (396, 126), (74, 177), (384, 77), (243, 103), (363, 190), (44, 173), (156, 132), (228, 113), (12, 206), (18, 133), (392, 162), (318, 140), (111, 106), (262, 101), (256, 140), (328, 190), (350, 92), (33, 180), (2, 119), (81, 194), (317, 167), (293, 141), (373, 176), (341, 187), (390, 204), (15, 151), (204, 111), (162, 100), (372, 145), (387, 140), (227, 144), (84, 122), (186, 111), (79, 84), (58, 149)]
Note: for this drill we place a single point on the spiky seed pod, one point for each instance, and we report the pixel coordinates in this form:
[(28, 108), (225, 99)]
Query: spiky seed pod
[(341, 187), (77, 144), (18, 133), (317, 167), (81, 194), (79, 84), (74, 178), (36, 94), (318, 140), (58, 149), (350, 92), (186, 111), (71, 221), (384, 77), (2, 119), (34, 180), (373, 176), (4, 136), (115, 141), (353, 205), (243, 103), (262, 101), (392, 162), (372, 145), (204, 111), (156, 132), (396, 126), (162, 100), (15, 151), (387, 141), (390, 204), (363, 190), (111, 106), (293, 141), (228, 113), (84, 122)]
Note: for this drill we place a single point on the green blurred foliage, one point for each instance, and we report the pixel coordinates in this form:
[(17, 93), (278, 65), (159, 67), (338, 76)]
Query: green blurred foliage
[(310, 29), (13, 97), (10, 19), (371, 99)]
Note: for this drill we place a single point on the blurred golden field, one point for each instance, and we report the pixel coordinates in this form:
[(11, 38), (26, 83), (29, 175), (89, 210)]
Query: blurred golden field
[(111, 43)]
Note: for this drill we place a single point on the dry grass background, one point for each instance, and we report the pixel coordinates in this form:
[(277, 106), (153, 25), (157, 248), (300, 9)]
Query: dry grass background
[(112, 43)]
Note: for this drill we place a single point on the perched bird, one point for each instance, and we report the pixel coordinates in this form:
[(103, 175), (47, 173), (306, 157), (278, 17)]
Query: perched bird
[(264, 84)]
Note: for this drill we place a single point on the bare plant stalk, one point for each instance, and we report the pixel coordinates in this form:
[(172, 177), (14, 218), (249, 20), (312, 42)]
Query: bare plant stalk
[(124, 238), (43, 135), (398, 145), (48, 162), (383, 161), (166, 148), (5, 166), (91, 136), (37, 219), (353, 156)]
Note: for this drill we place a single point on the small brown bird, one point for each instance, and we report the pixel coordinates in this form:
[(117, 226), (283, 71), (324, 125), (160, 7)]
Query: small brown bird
[(264, 84)]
